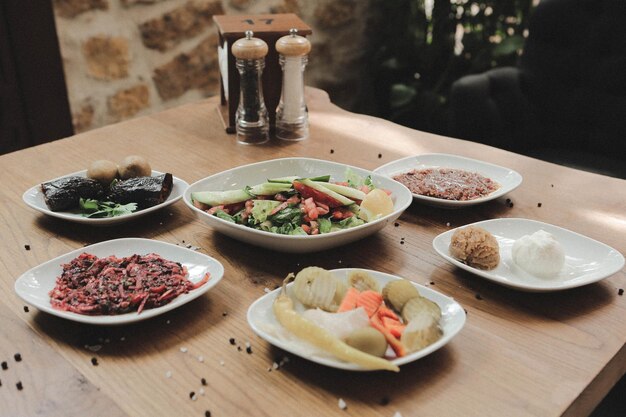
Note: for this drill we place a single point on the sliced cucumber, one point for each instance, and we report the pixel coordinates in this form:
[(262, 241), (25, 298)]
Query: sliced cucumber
[(218, 198), (322, 189), (285, 180), (270, 188), (349, 192), (292, 178), (321, 178)]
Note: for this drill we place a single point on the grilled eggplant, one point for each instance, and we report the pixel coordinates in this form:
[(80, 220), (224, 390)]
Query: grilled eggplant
[(64, 193), (145, 191)]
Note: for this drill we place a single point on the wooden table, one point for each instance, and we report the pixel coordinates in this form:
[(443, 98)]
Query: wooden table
[(519, 353)]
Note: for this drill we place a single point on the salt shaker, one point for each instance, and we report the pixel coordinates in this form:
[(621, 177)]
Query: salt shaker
[(292, 119), (251, 119)]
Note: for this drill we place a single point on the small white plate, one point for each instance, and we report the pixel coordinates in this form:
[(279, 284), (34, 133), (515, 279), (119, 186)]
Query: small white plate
[(248, 175), (35, 285), (507, 178), (263, 322), (586, 260), (34, 198)]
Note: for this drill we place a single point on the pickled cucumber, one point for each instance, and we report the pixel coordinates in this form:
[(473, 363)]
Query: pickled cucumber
[(362, 281), (415, 306), (397, 293), (368, 340), (423, 330), (315, 287), (340, 292)]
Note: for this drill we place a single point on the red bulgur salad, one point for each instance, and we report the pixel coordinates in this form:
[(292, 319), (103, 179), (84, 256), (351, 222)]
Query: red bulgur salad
[(108, 286)]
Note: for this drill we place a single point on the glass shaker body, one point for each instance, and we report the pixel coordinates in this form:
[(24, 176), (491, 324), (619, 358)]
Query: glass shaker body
[(252, 121), (292, 119)]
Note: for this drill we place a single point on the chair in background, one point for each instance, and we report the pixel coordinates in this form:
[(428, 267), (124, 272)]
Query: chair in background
[(566, 100)]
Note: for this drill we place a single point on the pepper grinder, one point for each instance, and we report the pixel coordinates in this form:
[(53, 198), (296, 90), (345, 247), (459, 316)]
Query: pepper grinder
[(251, 119), (292, 118)]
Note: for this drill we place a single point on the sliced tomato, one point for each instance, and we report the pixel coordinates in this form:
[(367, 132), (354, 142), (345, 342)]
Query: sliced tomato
[(308, 192)]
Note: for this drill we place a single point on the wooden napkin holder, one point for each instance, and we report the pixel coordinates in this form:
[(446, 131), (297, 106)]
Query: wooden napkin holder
[(269, 27)]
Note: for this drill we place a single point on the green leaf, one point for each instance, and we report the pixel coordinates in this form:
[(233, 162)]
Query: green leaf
[(401, 95), (508, 46), (88, 205), (97, 209), (288, 215), (262, 208), (225, 216), (325, 225)]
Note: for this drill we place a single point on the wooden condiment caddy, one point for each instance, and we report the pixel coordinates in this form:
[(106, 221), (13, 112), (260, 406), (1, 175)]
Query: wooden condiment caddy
[(269, 27)]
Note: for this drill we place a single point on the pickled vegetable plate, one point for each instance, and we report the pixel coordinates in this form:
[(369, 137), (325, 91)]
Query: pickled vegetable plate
[(240, 177), (33, 197), (263, 322)]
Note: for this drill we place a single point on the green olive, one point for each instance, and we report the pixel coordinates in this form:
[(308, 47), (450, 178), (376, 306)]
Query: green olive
[(368, 340)]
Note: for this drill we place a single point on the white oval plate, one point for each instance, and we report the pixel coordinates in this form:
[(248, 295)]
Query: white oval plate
[(263, 322), (586, 260), (35, 285), (507, 178), (248, 175), (34, 198)]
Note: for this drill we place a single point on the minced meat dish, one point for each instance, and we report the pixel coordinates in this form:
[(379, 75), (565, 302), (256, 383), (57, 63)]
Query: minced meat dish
[(447, 183)]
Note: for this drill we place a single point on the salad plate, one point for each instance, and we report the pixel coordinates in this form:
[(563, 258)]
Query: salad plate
[(263, 322), (33, 197), (35, 285), (586, 260), (507, 179), (248, 175)]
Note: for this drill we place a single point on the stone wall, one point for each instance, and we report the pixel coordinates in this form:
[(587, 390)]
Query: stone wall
[(125, 58)]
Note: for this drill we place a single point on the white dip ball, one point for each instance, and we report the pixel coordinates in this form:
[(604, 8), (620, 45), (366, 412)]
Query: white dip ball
[(539, 254)]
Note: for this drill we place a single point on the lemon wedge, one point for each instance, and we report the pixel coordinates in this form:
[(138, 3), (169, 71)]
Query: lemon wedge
[(376, 204)]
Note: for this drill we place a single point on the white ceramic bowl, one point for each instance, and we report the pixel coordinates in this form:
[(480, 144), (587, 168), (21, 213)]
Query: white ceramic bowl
[(33, 197), (263, 321), (35, 285), (248, 175), (586, 260), (507, 178)]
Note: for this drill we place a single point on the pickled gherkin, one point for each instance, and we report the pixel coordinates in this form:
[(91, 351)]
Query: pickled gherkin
[(397, 293), (423, 330), (415, 306), (315, 287), (363, 281)]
